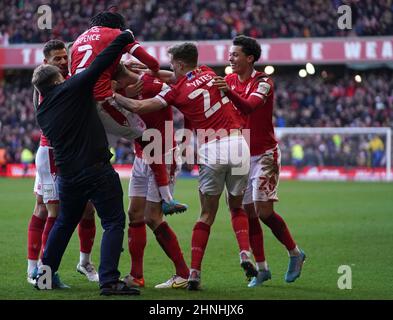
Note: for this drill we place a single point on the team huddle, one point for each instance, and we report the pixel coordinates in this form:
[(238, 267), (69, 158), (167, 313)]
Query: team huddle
[(108, 99)]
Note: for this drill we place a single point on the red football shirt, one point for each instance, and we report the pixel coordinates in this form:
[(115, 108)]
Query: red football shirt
[(86, 48), (155, 120), (201, 102), (260, 121)]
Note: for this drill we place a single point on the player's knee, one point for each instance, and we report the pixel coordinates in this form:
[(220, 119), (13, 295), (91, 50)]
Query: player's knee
[(40, 211), (53, 209), (264, 210), (135, 215), (153, 222), (250, 210)]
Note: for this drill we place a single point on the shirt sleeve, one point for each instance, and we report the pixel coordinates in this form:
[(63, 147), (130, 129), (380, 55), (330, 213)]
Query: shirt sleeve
[(261, 90), (136, 50), (167, 95)]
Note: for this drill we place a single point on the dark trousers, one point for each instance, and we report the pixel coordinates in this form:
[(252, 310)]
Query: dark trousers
[(101, 184)]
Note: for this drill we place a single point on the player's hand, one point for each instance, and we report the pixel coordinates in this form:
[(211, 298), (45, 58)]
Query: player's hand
[(134, 89), (221, 84), (135, 66)]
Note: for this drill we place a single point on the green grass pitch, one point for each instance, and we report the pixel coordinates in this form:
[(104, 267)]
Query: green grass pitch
[(335, 223)]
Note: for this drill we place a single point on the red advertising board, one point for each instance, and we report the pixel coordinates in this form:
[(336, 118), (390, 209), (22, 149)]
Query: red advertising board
[(277, 51), (287, 173)]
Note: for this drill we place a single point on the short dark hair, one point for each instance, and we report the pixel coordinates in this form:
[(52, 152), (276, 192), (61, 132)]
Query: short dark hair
[(53, 45), (249, 45), (108, 19), (44, 77), (186, 52)]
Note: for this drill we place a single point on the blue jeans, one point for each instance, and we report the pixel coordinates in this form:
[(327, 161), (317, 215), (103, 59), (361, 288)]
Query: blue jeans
[(100, 184)]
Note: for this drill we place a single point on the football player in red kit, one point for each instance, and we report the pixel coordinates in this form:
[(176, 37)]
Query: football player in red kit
[(214, 118), (145, 200), (118, 122), (252, 93)]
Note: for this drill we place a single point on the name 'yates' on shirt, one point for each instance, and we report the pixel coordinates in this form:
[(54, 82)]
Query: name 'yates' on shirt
[(201, 80)]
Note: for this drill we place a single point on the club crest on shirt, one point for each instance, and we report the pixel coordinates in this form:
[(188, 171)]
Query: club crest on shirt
[(233, 87)]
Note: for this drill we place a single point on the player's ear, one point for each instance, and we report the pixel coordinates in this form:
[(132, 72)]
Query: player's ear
[(250, 59)]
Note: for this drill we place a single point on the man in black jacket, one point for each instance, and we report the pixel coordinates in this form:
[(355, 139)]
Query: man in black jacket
[(68, 117)]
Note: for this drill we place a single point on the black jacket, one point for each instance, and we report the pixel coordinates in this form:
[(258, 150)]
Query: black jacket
[(68, 116)]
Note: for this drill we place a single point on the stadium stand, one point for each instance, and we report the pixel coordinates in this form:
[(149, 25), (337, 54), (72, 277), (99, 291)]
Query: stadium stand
[(330, 98), (201, 19), (307, 102)]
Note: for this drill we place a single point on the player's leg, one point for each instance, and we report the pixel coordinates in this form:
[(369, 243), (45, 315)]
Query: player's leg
[(264, 196), (47, 172), (87, 232), (257, 247), (200, 237), (136, 228), (136, 240), (211, 185), (53, 212), (34, 236), (255, 233), (236, 177), (165, 236), (281, 231), (240, 226), (163, 180)]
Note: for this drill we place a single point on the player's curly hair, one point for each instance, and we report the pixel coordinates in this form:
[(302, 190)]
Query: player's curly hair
[(108, 19), (249, 45)]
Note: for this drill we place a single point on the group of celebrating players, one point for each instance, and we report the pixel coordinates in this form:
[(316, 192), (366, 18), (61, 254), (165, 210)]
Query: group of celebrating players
[(131, 100)]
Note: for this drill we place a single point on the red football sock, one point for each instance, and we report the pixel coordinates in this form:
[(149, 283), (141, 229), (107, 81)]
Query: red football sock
[(50, 221), (256, 239), (87, 233), (136, 247), (240, 226), (168, 242), (200, 236), (34, 237), (280, 230)]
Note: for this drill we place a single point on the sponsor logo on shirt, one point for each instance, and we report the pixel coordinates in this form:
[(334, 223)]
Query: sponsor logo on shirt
[(263, 88)]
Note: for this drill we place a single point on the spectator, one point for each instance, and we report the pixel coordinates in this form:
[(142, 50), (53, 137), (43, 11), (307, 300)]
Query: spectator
[(297, 154), (27, 157), (307, 102), (3, 160), (199, 20), (377, 151)]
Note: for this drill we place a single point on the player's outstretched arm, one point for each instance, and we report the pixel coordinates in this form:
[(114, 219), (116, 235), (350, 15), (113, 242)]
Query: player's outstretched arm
[(139, 106), (164, 75), (245, 106)]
